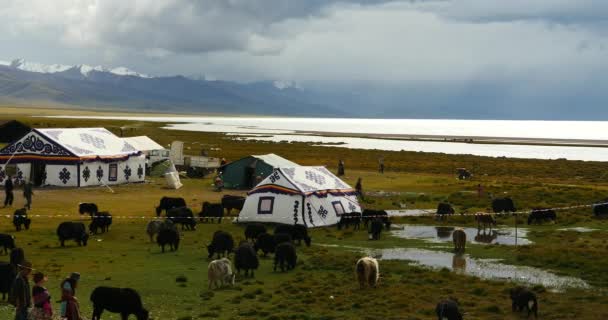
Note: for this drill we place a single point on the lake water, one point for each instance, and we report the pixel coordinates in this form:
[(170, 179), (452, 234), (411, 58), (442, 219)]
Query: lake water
[(304, 130)]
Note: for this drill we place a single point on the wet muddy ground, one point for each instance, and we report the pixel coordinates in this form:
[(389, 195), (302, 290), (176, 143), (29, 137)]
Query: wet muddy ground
[(502, 235)]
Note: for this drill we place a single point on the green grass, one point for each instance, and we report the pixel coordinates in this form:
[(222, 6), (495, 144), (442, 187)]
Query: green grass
[(323, 285)]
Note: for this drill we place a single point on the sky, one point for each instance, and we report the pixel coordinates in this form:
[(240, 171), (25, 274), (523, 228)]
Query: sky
[(532, 51)]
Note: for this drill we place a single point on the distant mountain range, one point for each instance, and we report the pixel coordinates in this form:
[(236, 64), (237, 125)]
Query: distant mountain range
[(87, 86)]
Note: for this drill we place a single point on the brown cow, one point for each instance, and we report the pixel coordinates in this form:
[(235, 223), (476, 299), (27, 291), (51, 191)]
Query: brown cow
[(460, 240)]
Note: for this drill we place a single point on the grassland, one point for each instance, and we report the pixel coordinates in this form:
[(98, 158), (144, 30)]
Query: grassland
[(322, 286)]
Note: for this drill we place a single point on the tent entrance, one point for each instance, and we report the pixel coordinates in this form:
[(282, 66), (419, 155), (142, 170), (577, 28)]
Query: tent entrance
[(37, 174), (250, 174)]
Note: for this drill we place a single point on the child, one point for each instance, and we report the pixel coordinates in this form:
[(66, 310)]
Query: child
[(42, 299)]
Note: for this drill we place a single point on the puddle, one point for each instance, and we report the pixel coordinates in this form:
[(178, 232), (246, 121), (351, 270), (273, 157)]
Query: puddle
[(490, 269), (504, 236), (410, 212), (578, 229)]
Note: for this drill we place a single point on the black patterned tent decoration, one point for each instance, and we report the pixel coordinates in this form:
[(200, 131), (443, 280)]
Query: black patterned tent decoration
[(33, 144), (127, 172), (140, 171), (64, 175), (99, 173), (86, 174), (92, 140)]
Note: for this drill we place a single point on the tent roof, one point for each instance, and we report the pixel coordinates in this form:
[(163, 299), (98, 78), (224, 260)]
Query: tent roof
[(303, 180), (143, 143), (89, 142), (275, 160)]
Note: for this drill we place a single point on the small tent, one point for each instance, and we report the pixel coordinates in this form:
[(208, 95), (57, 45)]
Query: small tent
[(245, 173), (310, 196)]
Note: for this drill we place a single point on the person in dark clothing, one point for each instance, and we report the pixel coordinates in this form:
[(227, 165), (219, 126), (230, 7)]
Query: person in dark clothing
[(27, 194), (381, 165), (359, 188), (21, 291), (340, 168), (8, 190)]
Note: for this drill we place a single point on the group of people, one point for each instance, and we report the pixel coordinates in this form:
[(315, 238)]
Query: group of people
[(35, 304), (9, 197)]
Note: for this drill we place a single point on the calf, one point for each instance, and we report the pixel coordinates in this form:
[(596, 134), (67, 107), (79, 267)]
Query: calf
[(460, 239), (100, 221), (7, 276), (222, 243), (211, 211), (220, 271), (266, 243), (167, 203), (298, 232), (245, 258), (375, 229), (232, 202), (285, 256), (7, 242), (448, 310), (72, 231), (252, 230), (168, 236), (522, 298), (368, 272), (501, 205), (539, 215), (125, 301), (485, 220), (351, 218), (88, 208), (182, 216), (20, 219)]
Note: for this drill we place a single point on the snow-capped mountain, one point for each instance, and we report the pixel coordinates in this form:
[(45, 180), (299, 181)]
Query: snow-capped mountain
[(84, 69)]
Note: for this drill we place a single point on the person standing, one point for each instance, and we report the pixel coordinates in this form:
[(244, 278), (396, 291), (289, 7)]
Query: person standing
[(21, 291), (340, 167), (70, 310), (42, 299), (27, 194), (479, 190), (8, 190), (381, 165), (359, 188)]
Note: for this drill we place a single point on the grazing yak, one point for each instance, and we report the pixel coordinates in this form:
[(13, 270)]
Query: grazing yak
[(348, 219), (167, 203), (484, 237), (460, 239), (368, 215), (72, 231), (266, 243), (444, 209), (155, 226), (539, 215), (211, 211), (503, 205), (7, 275), (600, 209), (20, 219), (88, 208), (17, 257), (245, 258), (368, 272), (168, 236), (125, 301), (375, 229), (297, 232), (524, 299), (485, 220), (252, 230), (232, 202), (221, 244), (183, 216), (100, 221), (7, 242), (220, 271), (282, 237), (448, 310), (285, 256)]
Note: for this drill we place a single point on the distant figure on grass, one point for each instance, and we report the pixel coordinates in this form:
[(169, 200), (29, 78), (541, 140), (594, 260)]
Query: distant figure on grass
[(460, 239), (368, 272), (223, 162), (479, 190), (42, 309), (381, 165), (8, 191), (27, 194), (20, 294), (340, 168), (219, 182), (359, 188), (70, 310)]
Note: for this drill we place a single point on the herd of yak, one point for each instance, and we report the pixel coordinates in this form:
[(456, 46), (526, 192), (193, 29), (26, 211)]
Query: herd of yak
[(281, 243)]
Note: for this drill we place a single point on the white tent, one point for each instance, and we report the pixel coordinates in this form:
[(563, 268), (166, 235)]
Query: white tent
[(74, 157), (310, 196), (143, 143)]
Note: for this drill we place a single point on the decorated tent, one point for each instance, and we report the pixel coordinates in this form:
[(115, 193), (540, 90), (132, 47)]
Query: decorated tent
[(244, 173), (74, 157), (143, 143), (310, 196)]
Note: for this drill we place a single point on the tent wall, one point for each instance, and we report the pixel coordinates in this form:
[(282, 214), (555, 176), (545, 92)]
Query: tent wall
[(98, 172), (234, 173), (62, 175)]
